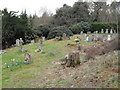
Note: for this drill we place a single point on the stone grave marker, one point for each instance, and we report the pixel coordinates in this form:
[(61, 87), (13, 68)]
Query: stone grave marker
[(32, 41), (106, 31), (17, 42), (64, 36), (102, 31), (111, 31), (43, 39), (81, 32), (27, 58)]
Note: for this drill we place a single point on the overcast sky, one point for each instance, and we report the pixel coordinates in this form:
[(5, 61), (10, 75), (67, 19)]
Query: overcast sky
[(35, 6)]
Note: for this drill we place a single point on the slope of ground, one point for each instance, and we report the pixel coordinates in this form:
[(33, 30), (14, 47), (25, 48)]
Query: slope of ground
[(46, 71)]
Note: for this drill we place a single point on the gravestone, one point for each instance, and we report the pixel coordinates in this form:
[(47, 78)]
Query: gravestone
[(109, 38), (43, 39), (102, 31), (81, 32), (90, 39), (114, 31), (32, 41), (87, 38), (21, 42), (27, 58), (17, 42), (39, 48), (96, 32), (111, 31), (88, 32), (64, 36), (85, 35), (106, 31)]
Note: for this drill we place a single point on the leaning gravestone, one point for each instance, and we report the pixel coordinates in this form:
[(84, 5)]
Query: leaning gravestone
[(17, 42), (102, 31), (64, 36), (27, 58)]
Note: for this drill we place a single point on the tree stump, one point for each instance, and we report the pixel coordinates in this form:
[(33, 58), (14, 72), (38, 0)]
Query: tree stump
[(71, 59)]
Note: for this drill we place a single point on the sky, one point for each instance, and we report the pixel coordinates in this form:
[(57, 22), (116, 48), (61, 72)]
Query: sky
[(35, 6)]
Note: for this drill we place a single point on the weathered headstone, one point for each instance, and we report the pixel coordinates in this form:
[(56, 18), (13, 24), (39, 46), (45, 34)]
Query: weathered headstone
[(102, 31), (89, 39), (27, 58), (114, 31), (17, 42), (111, 31), (39, 48), (32, 41), (43, 39), (64, 36), (96, 32), (106, 31), (21, 42), (81, 32)]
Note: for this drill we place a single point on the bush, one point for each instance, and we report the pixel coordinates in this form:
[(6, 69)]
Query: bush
[(58, 31), (97, 26), (43, 30), (82, 26)]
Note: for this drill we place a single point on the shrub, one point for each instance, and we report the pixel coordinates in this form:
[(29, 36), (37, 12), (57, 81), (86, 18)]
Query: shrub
[(82, 26), (97, 26), (58, 31), (43, 30)]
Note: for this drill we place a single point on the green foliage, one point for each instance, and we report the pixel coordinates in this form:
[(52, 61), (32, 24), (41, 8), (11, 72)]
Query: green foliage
[(82, 26), (68, 15), (43, 30), (58, 31), (97, 26), (15, 27)]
